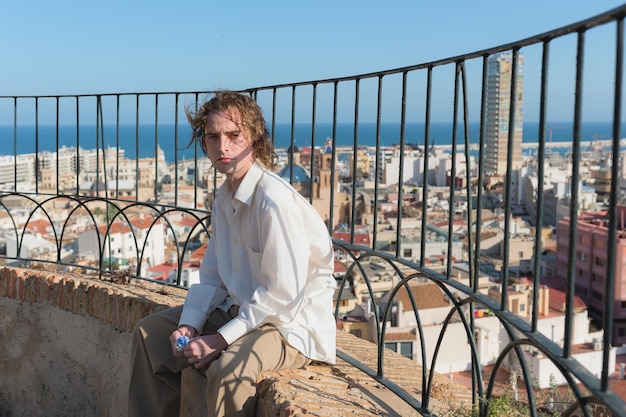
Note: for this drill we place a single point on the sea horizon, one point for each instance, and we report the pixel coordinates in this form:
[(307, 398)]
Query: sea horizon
[(140, 140)]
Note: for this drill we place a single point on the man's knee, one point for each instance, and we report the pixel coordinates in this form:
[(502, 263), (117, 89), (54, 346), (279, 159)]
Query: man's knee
[(230, 367)]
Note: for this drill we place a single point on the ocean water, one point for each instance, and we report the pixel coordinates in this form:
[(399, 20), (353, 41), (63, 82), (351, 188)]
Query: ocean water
[(143, 140)]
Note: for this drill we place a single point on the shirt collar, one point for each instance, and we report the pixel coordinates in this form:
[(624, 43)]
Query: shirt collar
[(248, 184)]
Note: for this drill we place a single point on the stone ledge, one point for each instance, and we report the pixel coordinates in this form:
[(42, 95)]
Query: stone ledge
[(121, 306), (313, 391)]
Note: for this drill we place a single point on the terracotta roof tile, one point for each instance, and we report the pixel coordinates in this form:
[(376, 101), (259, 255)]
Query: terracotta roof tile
[(426, 295)]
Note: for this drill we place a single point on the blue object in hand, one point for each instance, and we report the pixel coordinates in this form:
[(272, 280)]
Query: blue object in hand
[(181, 342)]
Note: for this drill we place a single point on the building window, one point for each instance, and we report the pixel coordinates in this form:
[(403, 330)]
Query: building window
[(621, 332), (392, 346), (408, 253), (406, 349), (596, 295)]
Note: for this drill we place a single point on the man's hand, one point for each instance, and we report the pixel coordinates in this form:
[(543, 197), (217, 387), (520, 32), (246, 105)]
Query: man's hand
[(184, 330), (202, 350)]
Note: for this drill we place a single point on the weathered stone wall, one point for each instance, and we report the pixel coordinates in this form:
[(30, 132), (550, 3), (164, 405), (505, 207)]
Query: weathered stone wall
[(57, 363), (64, 343)]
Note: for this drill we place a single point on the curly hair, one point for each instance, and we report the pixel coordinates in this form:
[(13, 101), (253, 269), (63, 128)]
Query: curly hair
[(245, 112)]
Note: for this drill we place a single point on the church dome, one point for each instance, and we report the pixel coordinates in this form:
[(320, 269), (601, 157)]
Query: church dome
[(300, 174)]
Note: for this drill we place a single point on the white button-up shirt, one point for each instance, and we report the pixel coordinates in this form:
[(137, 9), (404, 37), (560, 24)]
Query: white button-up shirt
[(271, 254)]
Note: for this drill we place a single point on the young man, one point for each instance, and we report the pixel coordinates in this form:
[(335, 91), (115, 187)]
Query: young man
[(264, 301)]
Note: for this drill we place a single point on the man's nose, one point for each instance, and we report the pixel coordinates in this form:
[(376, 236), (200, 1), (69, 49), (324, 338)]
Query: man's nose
[(224, 142)]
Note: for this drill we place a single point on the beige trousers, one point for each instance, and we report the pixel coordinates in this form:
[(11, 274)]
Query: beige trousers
[(155, 375)]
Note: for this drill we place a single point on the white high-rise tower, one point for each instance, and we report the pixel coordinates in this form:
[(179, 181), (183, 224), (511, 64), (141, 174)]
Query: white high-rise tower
[(499, 73)]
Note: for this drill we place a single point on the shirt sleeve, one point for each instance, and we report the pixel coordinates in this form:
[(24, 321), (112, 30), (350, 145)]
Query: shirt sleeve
[(283, 268), (204, 297)]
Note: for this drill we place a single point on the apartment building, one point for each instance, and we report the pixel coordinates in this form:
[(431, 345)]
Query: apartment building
[(591, 266)]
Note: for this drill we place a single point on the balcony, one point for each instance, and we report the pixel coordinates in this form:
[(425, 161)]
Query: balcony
[(449, 297)]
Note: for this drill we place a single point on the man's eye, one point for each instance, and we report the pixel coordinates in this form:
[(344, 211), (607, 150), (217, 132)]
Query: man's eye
[(210, 137)]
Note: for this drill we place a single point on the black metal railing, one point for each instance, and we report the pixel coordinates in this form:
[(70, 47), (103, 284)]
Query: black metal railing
[(109, 178)]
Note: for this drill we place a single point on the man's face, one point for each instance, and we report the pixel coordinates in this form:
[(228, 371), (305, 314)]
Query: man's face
[(229, 148)]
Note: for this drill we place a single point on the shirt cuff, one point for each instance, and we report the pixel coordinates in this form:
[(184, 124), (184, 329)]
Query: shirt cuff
[(233, 330)]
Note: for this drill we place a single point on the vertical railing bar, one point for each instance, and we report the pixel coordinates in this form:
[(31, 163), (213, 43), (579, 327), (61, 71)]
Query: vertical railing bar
[(573, 223), (314, 156), (98, 98), (401, 165), (274, 116), (56, 137), (117, 146), (468, 168), (37, 167), (333, 167), (15, 144), (100, 122), (196, 160), (452, 187), (355, 156), (104, 156), (137, 172), (195, 153), (473, 271), (477, 369), (107, 239), (609, 285), (379, 98), (57, 118), (481, 167), (424, 223), (428, 105), (77, 145), (509, 179), (156, 154), (292, 147), (176, 144), (541, 153)]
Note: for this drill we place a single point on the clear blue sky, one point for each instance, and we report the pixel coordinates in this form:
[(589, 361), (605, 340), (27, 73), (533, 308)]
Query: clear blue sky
[(82, 46)]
